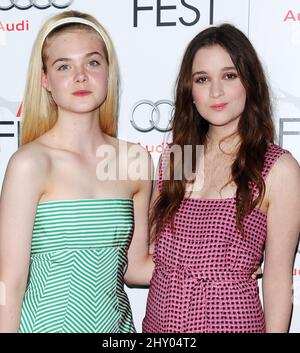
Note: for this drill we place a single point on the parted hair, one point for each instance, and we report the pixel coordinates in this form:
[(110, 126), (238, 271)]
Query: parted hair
[(255, 127)]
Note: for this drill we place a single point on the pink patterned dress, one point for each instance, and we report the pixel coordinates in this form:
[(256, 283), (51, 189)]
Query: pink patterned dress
[(202, 278)]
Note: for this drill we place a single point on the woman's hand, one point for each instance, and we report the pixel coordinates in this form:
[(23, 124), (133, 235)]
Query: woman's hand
[(257, 273)]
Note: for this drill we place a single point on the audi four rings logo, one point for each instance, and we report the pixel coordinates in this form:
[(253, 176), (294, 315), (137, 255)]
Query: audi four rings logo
[(151, 110), (38, 4)]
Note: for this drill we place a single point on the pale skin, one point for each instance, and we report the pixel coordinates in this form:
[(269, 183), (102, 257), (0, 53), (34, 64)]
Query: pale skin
[(61, 165), (215, 81)]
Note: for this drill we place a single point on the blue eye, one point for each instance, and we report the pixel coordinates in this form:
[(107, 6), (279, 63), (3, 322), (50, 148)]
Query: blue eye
[(63, 67), (94, 63)]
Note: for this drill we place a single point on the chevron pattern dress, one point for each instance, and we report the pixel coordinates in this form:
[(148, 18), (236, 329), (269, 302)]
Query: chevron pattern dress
[(78, 259)]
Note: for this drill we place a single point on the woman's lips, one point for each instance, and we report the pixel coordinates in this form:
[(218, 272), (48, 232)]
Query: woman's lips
[(81, 93), (218, 107)]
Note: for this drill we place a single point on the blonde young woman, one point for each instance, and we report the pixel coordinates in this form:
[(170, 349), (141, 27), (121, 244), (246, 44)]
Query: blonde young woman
[(65, 232)]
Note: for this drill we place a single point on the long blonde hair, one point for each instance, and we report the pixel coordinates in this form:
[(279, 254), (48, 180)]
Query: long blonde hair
[(39, 111)]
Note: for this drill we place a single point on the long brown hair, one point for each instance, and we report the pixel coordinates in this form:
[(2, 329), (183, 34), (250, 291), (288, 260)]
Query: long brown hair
[(255, 127)]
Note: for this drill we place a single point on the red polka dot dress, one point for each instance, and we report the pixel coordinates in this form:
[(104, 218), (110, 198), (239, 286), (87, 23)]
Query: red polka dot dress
[(202, 278)]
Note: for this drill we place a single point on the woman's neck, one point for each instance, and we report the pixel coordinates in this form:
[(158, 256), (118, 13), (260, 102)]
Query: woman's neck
[(220, 140), (78, 133)]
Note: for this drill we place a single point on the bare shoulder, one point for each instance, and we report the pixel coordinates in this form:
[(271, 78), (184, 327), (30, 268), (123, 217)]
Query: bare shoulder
[(139, 163), (139, 150), (284, 178), (134, 150), (139, 154), (286, 166), (31, 160)]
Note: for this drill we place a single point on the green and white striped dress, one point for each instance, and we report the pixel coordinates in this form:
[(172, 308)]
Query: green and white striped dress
[(78, 259)]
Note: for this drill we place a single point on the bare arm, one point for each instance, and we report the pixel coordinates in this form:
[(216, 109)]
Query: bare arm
[(282, 237), (140, 264), (154, 197), (21, 190)]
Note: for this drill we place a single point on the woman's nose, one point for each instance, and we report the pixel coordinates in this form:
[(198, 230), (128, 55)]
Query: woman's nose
[(216, 89), (80, 75)]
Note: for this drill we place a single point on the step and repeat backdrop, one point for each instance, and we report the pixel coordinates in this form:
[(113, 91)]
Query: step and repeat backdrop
[(150, 37)]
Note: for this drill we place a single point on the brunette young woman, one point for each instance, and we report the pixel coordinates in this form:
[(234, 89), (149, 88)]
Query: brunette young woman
[(210, 234)]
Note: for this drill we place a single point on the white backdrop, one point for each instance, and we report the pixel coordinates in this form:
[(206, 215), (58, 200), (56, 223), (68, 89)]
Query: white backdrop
[(150, 37)]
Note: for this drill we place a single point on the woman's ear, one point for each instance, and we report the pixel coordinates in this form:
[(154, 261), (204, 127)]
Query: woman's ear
[(45, 82)]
